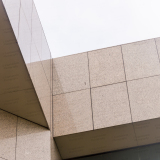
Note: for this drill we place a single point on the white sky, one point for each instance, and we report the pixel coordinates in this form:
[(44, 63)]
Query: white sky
[(75, 26)]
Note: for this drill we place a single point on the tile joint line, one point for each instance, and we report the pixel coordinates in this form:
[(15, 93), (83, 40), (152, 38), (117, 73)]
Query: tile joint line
[(90, 92)]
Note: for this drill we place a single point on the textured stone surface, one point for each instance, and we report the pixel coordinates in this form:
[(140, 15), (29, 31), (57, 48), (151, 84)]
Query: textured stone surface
[(157, 40), (46, 104), (144, 98), (72, 113), (110, 106), (106, 66), (141, 59), (14, 101), (33, 141), (8, 124), (97, 141), (70, 73), (41, 83)]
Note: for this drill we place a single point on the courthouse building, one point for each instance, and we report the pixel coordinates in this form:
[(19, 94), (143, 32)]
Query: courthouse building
[(98, 105)]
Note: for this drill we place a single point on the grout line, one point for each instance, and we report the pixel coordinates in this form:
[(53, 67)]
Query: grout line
[(143, 78), (107, 84), (71, 92), (128, 97), (157, 50), (16, 138), (90, 92)]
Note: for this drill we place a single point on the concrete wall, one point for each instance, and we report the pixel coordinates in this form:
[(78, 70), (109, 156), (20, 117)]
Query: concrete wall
[(21, 139), (107, 88)]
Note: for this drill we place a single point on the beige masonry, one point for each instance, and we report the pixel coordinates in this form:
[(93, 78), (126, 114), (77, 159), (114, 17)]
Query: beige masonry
[(21, 139), (88, 103), (124, 97)]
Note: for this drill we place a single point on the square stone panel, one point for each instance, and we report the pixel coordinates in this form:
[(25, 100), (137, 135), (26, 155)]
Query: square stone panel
[(70, 73), (145, 98), (8, 124), (141, 59), (110, 105), (106, 66), (72, 113)]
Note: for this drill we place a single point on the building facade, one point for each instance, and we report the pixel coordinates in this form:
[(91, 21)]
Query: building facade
[(98, 105)]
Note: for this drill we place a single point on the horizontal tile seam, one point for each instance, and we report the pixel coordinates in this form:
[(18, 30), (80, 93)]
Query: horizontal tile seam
[(107, 85)]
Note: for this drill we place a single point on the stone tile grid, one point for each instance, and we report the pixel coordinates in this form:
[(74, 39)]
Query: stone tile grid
[(124, 80), (70, 74), (106, 66), (141, 59), (72, 113), (110, 106)]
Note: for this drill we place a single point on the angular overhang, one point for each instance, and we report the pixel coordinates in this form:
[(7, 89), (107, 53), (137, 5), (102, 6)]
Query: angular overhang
[(17, 93)]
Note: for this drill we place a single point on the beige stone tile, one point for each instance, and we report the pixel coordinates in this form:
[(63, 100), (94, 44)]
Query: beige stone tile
[(33, 141), (47, 65), (46, 103), (141, 59), (144, 98), (41, 83), (110, 105), (106, 66), (72, 113), (8, 124), (70, 73)]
